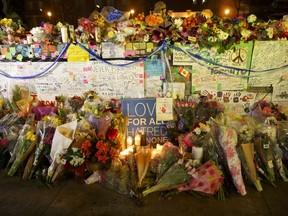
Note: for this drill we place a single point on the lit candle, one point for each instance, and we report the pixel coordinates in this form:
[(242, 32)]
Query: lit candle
[(29, 38), (143, 138), (137, 140), (64, 34), (97, 34), (72, 33), (129, 141)]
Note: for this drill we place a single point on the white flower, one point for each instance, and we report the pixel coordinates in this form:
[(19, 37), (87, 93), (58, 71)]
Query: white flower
[(251, 18), (146, 38), (178, 22), (270, 32), (74, 149), (212, 39), (76, 161), (245, 33), (197, 131), (222, 35), (37, 30), (121, 37)]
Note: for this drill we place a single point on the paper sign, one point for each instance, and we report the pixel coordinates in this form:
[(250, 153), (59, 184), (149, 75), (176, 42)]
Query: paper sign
[(177, 90), (4, 50), (154, 67), (8, 56), (142, 117), (164, 109), (111, 50), (12, 50), (77, 54)]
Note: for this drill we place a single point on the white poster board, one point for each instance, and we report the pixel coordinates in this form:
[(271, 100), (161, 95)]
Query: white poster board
[(71, 78)]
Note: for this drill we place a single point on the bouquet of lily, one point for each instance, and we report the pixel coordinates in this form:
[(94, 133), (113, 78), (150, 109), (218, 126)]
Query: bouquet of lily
[(24, 146), (45, 130)]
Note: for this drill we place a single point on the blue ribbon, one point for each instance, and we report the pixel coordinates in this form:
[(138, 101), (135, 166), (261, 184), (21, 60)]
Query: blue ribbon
[(162, 47), (41, 73), (198, 57)]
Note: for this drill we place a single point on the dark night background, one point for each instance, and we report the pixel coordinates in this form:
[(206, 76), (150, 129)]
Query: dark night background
[(70, 10)]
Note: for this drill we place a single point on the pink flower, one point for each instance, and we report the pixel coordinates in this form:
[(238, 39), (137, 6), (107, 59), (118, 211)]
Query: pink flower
[(48, 28)]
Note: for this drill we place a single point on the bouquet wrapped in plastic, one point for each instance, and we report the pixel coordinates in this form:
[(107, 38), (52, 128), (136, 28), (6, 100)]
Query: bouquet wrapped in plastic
[(169, 155), (45, 131), (174, 177), (24, 146), (228, 141), (246, 131), (142, 161), (62, 139), (264, 144), (207, 179)]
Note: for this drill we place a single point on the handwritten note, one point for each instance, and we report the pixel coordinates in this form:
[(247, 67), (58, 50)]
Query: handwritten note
[(268, 55), (77, 54)]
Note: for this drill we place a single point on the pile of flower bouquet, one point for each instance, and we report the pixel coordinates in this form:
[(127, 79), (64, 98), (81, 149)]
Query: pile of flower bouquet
[(201, 28), (209, 153)]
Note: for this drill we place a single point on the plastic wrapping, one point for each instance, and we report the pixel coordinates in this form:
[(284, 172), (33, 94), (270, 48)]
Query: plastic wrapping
[(207, 179), (45, 131), (24, 146), (169, 155)]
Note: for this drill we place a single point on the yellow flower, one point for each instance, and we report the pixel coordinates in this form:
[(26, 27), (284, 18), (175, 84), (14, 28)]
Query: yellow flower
[(110, 34), (55, 120), (30, 136), (204, 127), (1, 103)]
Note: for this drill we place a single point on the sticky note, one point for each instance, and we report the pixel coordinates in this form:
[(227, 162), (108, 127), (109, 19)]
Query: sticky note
[(219, 86), (77, 54), (4, 50), (19, 57), (8, 56), (12, 50)]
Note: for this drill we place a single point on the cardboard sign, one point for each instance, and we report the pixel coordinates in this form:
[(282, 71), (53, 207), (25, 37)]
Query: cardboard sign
[(142, 118)]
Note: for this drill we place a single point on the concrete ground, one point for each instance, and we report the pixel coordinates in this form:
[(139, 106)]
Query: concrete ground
[(70, 197)]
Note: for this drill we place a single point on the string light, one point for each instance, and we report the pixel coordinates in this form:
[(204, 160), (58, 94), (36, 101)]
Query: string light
[(227, 11)]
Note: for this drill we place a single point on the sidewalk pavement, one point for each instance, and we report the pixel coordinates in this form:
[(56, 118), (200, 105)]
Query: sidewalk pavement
[(70, 197)]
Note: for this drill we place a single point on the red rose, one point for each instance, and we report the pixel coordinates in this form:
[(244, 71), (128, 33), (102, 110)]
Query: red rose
[(112, 134)]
